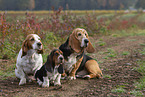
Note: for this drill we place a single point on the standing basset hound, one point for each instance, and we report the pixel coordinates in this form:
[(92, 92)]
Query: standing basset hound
[(51, 71), (76, 62), (29, 58)]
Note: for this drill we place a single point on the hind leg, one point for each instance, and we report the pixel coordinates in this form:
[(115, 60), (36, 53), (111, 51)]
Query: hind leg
[(93, 69)]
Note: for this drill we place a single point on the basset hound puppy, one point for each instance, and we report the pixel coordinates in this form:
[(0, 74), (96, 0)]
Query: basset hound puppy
[(76, 62), (51, 71), (29, 58)]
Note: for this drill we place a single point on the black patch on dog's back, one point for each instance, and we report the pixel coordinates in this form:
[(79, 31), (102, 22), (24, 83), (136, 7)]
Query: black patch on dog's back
[(85, 59)]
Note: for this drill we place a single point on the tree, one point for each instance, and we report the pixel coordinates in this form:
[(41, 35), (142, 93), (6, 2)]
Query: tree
[(42, 4), (71, 4), (140, 4), (31, 4)]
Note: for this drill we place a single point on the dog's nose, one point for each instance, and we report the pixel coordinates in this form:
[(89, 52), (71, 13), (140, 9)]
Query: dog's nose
[(86, 40), (39, 44), (61, 58)]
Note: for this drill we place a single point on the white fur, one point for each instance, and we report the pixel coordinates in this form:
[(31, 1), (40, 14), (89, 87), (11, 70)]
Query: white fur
[(60, 56), (28, 63), (45, 82), (71, 61), (39, 82), (71, 78), (83, 44), (37, 40)]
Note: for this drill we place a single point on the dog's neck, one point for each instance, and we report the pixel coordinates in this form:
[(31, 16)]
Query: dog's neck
[(31, 52), (78, 53)]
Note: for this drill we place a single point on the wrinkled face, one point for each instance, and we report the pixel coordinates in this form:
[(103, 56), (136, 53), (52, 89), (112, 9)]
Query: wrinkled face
[(35, 41), (58, 57), (82, 36)]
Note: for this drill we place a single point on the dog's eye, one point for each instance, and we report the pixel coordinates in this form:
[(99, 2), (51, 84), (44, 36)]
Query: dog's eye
[(32, 39), (56, 54), (85, 34), (79, 34)]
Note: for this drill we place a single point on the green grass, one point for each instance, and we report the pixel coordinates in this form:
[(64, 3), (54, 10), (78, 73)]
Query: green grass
[(125, 53), (105, 16), (118, 90), (111, 53), (142, 51), (128, 32), (4, 75), (107, 76), (136, 93), (7, 70), (132, 40), (141, 68), (101, 43), (141, 18), (140, 84), (127, 16), (106, 57), (142, 44), (100, 62)]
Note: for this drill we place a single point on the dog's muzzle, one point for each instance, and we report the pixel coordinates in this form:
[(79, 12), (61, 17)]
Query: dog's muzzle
[(85, 42), (61, 59), (39, 45)]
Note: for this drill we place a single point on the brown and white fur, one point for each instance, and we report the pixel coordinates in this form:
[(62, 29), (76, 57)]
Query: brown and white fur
[(76, 62), (29, 58), (51, 71)]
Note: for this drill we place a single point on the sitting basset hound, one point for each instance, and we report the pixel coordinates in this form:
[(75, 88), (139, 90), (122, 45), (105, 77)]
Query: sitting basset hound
[(29, 58), (76, 62), (51, 71)]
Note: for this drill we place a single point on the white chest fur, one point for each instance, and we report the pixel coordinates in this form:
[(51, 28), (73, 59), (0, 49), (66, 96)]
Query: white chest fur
[(52, 76), (69, 63), (30, 62)]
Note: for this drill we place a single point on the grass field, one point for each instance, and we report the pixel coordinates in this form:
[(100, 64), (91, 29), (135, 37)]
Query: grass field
[(116, 36)]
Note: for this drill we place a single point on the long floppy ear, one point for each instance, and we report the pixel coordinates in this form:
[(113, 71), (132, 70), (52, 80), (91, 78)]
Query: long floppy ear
[(90, 48), (48, 64), (74, 43), (25, 47), (60, 69)]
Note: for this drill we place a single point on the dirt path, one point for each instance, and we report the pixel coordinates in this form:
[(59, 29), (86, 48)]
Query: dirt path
[(119, 68)]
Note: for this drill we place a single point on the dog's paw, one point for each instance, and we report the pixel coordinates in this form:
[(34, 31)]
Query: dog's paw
[(45, 85), (71, 77), (22, 81), (86, 77), (30, 80), (39, 82), (57, 84)]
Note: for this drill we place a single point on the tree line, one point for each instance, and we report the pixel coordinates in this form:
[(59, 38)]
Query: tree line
[(70, 4)]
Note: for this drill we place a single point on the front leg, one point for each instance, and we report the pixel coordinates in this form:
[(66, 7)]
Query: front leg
[(20, 74), (73, 71), (57, 80), (45, 82)]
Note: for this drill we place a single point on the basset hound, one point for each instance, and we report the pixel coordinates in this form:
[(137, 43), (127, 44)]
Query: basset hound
[(29, 58), (76, 62), (50, 72)]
